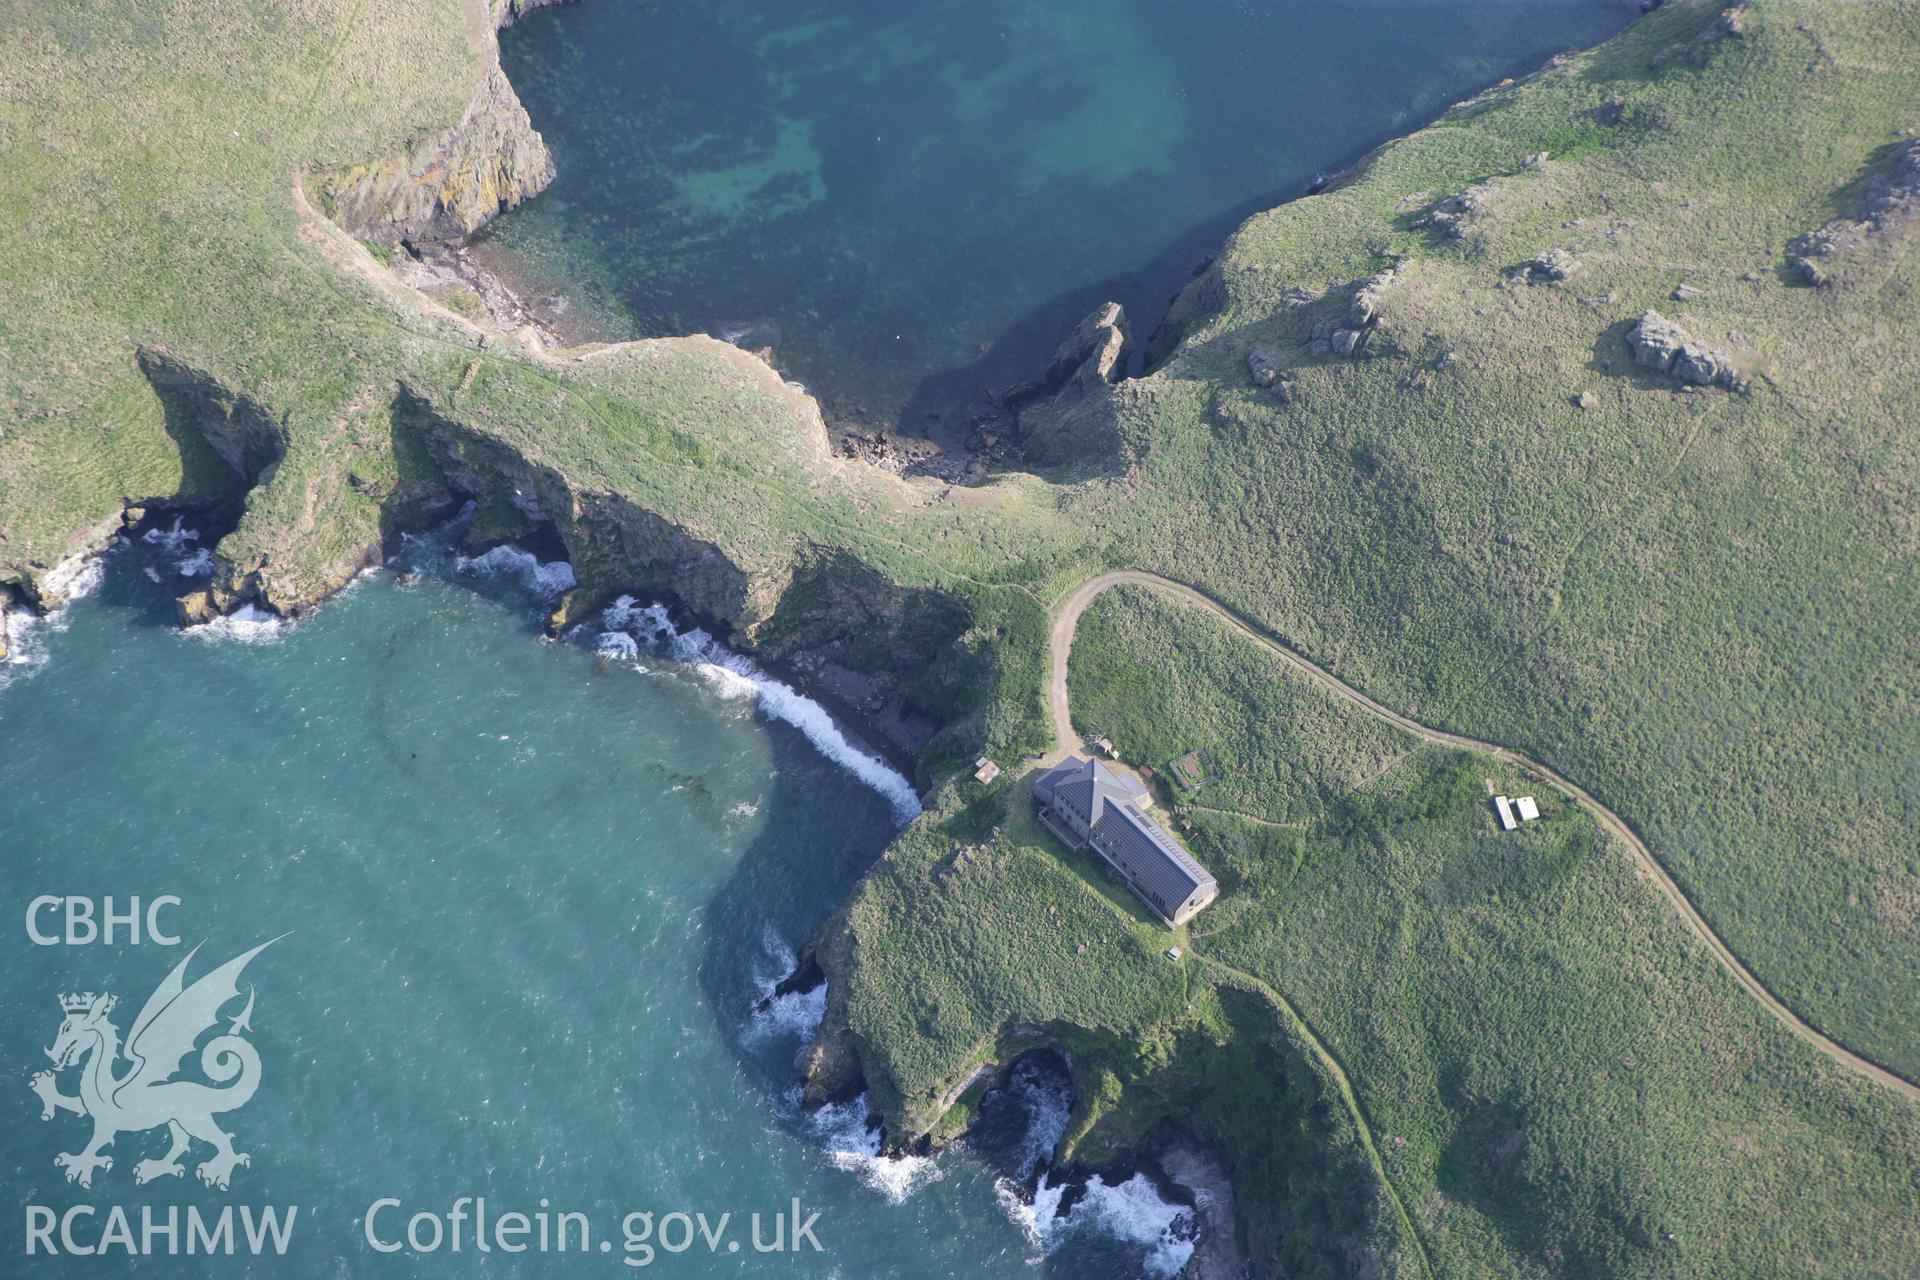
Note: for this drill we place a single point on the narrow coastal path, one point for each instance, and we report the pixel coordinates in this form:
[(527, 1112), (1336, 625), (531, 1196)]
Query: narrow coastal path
[(1067, 621)]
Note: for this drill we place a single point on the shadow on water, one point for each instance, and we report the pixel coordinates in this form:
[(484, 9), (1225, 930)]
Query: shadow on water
[(900, 200), (941, 403), (786, 884)]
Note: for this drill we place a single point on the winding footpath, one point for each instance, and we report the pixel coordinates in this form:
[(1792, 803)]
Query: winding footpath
[(1067, 621)]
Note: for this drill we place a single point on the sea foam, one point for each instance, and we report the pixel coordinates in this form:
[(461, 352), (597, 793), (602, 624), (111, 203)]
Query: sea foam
[(1132, 1211), (797, 1014), (178, 549), (547, 579), (27, 632), (249, 624), (732, 676), (851, 1139)]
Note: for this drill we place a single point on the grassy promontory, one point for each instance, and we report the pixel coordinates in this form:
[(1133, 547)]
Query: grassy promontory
[(1499, 1053), (1400, 423), (185, 325)]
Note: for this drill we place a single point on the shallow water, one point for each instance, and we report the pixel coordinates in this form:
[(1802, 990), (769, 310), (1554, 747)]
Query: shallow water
[(913, 201), (532, 893)]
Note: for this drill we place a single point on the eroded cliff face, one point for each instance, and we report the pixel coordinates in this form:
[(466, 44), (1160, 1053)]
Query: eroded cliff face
[(1068, 417), (449, 184), (507, 12)]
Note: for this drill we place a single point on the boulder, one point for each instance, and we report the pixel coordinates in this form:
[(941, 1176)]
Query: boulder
[(1455, 213), (1344, 341), (1664, 347), (1891, 205), (1261, 368), (1555, 264), (195, 608), (1688, 292)]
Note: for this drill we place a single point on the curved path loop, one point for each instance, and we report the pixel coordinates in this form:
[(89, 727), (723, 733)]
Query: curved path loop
[(1061, 643)]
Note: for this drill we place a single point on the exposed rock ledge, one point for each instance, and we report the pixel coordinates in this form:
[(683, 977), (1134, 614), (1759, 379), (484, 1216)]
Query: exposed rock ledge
[(448, 184), (1891, 206), (1068, 416)]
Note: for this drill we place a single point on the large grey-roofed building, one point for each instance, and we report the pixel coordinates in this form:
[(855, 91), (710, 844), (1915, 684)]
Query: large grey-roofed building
[(1086, 802)]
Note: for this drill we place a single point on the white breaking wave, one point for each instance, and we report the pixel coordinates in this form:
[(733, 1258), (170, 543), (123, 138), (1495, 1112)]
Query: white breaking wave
[(733, 676), (617, 644), (844, 1130), (26, 644), (852, 1142), (797, 1014), (27, 632), (1132, 1211), (177, 546), (174, 539), (249, 624), (547, 579), (75, 578)]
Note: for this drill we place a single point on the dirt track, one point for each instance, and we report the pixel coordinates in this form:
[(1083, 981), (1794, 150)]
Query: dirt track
[(1061, 643)]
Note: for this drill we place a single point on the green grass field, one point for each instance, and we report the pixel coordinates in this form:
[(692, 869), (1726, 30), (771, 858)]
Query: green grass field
[(1413, 1036), (1697, 604), (1557, 1078)]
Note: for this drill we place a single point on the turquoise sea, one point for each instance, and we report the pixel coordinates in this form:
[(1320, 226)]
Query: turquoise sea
[(913, 201), (530, 897)]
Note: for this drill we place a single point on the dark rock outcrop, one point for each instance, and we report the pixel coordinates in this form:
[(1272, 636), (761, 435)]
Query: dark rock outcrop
[(1892, 205), (1553, 266), (1069, 416), (1664, 347), (1456, 214), (1261, 368), (1349, 334), (1094, 354)]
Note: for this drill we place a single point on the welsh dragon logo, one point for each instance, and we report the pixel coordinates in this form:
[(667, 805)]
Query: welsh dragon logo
[(145, 1095)]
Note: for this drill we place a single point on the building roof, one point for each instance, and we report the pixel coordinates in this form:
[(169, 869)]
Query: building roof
[(1506, 813), (1526, 808), (1085, 777), (1144, 848)]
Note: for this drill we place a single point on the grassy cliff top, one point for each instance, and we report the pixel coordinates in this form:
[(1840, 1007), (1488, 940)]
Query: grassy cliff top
[(1553, 1076), (1693, 601), (152, 160), (1460, 489)]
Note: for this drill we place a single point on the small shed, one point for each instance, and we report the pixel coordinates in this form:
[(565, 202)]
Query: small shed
[(985, 770), (1526, 808), (1504, 807)]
